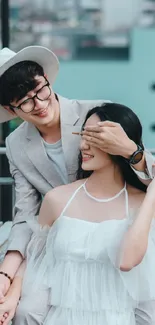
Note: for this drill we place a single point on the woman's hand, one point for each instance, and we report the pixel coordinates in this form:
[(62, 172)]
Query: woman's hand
[(9, 303), (4, 285), (8, 307)]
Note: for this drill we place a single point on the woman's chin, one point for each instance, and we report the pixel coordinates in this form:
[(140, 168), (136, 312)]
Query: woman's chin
[(86, 166)]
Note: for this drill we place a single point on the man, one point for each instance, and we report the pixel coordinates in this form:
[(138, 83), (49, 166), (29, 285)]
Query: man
[(43, 151)]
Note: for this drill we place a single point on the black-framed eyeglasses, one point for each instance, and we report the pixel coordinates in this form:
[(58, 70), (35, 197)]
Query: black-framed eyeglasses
[(42, 94)]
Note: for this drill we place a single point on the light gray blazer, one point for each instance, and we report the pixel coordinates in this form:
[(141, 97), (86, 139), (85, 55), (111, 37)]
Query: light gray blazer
[(34, 173)]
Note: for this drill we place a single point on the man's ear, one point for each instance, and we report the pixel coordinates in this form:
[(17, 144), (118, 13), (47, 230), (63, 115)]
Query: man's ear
[(9, 110), (45, 75)]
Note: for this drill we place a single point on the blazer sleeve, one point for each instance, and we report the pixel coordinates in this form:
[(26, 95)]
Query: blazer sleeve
[(27, 205), (148, 175)]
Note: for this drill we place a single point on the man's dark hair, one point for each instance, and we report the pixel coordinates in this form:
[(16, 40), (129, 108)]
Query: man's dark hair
[(18, 80), (130, 123)]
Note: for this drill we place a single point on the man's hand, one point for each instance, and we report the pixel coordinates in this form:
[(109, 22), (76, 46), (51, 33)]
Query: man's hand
[(111, 138)]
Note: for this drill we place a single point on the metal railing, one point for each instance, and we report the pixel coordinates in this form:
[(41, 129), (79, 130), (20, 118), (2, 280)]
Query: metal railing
[(5, 180), (8, 180)]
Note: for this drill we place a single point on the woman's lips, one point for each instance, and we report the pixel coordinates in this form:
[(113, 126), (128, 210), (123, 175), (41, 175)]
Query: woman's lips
[(87, 157)]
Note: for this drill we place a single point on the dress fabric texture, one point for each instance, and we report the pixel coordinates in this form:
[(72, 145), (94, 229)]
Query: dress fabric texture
[(78, 261)]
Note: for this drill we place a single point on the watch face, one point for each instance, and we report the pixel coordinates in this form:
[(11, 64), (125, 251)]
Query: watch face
[(138, 156)]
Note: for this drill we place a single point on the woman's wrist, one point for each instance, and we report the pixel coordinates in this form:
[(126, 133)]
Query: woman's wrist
[(11, 263), (6, 275), (4, 284)]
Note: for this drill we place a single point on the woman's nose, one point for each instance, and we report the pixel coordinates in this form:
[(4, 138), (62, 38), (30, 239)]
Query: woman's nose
[(84, 145)]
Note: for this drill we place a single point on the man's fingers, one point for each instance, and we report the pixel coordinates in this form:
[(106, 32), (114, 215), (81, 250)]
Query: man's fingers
[(94, 142), (91, 134), (92, 139), (97, 128), (108, 123), (92, 128)]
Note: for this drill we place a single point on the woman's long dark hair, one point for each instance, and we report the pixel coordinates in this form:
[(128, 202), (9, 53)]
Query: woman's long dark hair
[(130, 123)]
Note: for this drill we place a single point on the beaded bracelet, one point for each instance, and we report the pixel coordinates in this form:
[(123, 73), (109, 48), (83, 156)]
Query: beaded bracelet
[(7, 276)]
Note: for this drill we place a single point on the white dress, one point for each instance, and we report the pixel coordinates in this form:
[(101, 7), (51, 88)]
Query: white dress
[(78, 261)]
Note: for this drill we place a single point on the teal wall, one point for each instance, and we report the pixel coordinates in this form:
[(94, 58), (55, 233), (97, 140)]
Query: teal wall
[(127, 82)]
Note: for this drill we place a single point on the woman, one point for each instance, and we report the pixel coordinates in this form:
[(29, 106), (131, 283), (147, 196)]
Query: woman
[(97, 253)]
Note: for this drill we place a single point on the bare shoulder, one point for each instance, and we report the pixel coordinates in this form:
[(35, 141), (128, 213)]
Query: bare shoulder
[(136, 197), (63, 192), (55, 201)]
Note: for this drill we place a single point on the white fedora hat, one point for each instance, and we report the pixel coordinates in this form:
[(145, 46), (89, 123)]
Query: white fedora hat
[(43, 56)]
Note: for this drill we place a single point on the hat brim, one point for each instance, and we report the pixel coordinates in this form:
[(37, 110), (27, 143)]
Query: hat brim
[(43, 56)]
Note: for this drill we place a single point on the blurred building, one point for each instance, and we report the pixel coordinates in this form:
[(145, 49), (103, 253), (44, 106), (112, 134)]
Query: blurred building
[(68, 25), (147, 13)]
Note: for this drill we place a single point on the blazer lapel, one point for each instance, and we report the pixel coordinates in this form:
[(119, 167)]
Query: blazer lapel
[(70, 142), (37, 154)]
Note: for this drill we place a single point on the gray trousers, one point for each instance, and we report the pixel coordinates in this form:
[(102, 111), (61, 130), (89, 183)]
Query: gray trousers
[(32, 309), (145, 313)]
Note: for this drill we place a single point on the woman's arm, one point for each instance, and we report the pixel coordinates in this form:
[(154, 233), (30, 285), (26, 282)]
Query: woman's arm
[(136, 239), (10, 265), (15, 288)]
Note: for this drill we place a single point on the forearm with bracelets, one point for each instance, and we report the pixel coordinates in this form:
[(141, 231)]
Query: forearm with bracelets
[(9, 267)]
